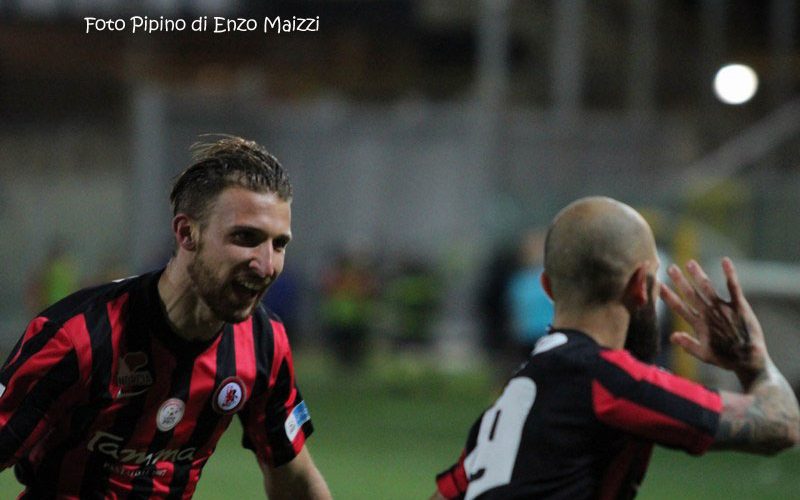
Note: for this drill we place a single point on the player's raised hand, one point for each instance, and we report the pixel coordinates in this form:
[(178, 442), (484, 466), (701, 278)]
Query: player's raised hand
[(726, 333)]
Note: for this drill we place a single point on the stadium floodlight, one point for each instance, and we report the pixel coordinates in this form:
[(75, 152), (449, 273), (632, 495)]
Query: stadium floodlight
[(735, 83)]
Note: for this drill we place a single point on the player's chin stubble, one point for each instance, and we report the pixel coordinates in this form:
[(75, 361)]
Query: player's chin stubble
[(213, 292)]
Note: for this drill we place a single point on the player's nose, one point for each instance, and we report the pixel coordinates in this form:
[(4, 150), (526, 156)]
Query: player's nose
[(262, 262)]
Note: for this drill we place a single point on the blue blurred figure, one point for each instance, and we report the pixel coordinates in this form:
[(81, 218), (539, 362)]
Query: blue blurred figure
[(530, 308)]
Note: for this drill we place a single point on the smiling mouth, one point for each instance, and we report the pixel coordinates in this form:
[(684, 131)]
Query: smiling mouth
[(250, 289)]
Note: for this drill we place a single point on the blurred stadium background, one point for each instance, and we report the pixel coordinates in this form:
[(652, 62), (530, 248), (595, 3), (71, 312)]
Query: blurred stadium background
[(424, 138)]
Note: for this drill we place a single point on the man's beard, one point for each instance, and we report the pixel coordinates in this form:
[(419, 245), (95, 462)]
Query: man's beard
[(217, 293), (642, 339)]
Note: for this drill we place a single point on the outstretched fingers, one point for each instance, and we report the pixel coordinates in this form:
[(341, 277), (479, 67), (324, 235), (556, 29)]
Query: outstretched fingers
[(676, 303), (700, 307), (726, 333), (734, 288), (694, 299), (689, 344), (746, 321), (703, 288)]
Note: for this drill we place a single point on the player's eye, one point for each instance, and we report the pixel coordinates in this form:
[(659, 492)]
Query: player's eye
[(280, 242), (245, 238)]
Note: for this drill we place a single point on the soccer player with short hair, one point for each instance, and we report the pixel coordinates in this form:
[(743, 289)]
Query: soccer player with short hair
[(579, 420), (123, 390)]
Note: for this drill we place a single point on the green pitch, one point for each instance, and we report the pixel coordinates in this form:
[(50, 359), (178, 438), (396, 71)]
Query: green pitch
[(384, 433)]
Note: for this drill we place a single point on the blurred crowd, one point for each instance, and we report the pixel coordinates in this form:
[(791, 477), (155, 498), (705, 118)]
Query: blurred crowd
[(363, 303)]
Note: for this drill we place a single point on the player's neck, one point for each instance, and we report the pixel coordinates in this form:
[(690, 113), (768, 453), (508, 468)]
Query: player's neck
[(607, 325), (188, 315)]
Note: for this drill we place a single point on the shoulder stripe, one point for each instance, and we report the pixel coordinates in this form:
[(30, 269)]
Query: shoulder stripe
[(19, 429), (646, 422), (673, 384), (36, 336), (74, 304), (32, 369), (650, 402)]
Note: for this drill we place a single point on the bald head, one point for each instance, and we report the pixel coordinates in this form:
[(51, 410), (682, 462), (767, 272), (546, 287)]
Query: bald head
[(592, 248)]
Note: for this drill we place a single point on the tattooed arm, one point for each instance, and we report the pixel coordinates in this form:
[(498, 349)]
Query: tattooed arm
[(762, 420), (765, 418)]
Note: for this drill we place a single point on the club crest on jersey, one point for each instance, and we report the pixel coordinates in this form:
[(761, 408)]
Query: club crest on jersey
[(229, 396), (133, 377), (169, 414)]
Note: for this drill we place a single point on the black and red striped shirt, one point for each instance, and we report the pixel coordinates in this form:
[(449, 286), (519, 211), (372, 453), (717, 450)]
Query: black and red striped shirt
[(100, 398), (578, 421)]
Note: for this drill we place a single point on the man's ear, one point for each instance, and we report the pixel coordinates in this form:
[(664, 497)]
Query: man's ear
[(185, 232), (636, 292), (544, 279)]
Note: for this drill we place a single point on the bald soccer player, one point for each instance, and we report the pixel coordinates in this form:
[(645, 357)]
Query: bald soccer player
[(579, 420)]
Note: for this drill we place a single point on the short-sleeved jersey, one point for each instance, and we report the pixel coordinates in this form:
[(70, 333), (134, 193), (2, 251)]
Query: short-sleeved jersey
[(578, 421), (100, 398)]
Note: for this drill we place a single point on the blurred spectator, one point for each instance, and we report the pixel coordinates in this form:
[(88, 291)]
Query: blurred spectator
[(493, 312), (413, 297), (112, 267), (348, 289), (57, 277), (530, 308)]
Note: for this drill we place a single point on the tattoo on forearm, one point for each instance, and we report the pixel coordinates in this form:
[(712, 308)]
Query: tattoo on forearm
[(761, 421)]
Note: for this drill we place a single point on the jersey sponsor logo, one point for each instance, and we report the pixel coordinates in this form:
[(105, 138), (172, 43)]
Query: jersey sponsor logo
[(133, 378), (296, 419), (111, 446), (144, 471), (169, 414), (229, 396)]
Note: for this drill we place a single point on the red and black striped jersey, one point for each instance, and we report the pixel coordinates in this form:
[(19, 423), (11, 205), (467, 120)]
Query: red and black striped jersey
[(100, 398), (578, 421)]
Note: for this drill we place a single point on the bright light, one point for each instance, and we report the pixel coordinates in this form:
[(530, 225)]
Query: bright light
[(735, 84)]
